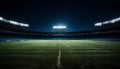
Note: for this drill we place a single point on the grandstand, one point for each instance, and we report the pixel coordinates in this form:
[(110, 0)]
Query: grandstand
[(103, 29)]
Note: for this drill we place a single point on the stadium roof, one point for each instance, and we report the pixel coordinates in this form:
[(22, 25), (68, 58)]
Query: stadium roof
[(108, 22), (14, 22)]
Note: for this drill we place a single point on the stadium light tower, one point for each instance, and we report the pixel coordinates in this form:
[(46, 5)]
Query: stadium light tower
[(59, 28)]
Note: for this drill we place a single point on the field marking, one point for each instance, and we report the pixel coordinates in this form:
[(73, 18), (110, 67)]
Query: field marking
[(59, 58)]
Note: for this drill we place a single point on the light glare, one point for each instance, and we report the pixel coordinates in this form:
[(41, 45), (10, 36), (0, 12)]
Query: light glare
[(98, 24), (20, 24), (59, 27), (108, 22), (1, 18), (14, 22)]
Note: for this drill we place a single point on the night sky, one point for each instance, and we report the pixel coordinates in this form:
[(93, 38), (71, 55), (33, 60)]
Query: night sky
[(77, 15)]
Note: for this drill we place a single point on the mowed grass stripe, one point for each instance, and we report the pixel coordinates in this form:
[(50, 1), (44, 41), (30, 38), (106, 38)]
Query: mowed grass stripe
[(29, 54), (90, 54)]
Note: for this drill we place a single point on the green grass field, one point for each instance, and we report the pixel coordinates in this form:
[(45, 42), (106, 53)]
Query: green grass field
[(60, 54)]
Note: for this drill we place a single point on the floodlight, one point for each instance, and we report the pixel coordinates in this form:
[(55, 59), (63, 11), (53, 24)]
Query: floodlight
[(112, 21), (13, 22), (20, 24), (59, 27), (98, 24), (117, 19), (1, 18), (106, 22), (25, 25)]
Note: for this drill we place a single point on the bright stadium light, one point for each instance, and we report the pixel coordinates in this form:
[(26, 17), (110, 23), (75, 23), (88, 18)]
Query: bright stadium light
[(1, 18), (13, 22), (59, 27), (106, 22), (25, 25), (115, 20), (112, 21), (98, 24), (118, 18), (20, 24)]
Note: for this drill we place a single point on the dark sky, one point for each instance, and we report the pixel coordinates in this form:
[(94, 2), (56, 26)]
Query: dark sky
[(77, 15)]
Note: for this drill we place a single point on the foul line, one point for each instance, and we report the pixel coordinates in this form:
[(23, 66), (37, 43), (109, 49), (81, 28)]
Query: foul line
[(59, 58)]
